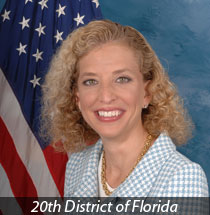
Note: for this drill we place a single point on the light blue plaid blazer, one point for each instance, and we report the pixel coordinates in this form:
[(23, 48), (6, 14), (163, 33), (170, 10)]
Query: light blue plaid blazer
[(163, 172)]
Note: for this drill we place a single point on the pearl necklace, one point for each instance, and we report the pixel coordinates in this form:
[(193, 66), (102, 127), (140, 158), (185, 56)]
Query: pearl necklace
[(147, 145)]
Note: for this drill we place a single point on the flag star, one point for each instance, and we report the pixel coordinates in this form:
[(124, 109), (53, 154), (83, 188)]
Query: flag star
[(96, 2), (35, 81), (28, 1), (21, 49), (6, 15), (58, 36), (24, 23), (79, 19), (38, 55), (40, 29), (43, 4), (61, 10)]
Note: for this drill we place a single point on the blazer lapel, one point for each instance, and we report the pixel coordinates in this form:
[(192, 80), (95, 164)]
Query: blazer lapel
[(141, 180), (88, 183)]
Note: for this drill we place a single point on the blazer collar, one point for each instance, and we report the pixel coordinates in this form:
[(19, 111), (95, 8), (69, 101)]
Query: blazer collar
[(140, 181), (88, 185)]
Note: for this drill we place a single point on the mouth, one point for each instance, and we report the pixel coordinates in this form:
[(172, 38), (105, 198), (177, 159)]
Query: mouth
[(109, 115)]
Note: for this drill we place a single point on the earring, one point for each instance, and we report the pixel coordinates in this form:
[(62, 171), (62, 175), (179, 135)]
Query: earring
[(145, 107)]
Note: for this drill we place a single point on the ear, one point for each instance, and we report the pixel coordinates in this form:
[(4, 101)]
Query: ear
[(147, 96)]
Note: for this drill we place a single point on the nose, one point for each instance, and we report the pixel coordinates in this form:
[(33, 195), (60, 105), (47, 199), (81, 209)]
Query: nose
[(107, 94)]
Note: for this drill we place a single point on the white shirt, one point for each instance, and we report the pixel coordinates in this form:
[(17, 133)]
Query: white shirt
[(100, 186)]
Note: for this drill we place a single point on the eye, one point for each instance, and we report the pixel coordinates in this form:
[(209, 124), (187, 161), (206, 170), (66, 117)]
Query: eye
[(90, 82), (123, 80)]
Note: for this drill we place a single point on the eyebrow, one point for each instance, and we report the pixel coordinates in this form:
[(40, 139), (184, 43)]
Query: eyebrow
[(88, 74), (115, 72)]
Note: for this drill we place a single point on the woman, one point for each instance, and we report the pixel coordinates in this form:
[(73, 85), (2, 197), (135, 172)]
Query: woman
[(106, 85)]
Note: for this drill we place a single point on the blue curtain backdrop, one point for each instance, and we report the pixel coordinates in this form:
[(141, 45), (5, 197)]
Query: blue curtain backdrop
[(1, 4), (179, 32)]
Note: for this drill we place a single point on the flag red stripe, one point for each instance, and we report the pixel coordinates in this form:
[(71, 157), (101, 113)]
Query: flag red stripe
[(20, 181), (56, 162), (26, 144)]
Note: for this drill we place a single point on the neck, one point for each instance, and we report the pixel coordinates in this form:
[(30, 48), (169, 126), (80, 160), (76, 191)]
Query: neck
[(121, 155)]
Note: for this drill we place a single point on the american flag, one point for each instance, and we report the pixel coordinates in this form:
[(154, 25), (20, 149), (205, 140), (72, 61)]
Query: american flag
[(30, 32)]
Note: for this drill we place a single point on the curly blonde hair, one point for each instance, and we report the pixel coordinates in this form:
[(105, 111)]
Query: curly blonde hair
[(62, 122)]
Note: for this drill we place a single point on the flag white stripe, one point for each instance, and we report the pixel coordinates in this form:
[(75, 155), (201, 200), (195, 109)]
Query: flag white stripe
[(5, 206), (25, 141), (4, 184)]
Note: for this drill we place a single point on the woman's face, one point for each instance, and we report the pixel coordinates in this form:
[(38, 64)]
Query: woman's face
[(111, 91)]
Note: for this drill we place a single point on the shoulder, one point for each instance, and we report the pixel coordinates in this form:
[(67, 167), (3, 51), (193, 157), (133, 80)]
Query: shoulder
[(180, 177), (82, 156), (79, 165), (78, 158), (188, 178)]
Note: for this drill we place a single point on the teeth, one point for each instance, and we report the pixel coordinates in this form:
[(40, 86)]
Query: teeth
[(109, 113)]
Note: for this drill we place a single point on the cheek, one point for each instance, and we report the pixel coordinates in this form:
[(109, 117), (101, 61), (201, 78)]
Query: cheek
[(86, 99), (135, 95), (132, 100)]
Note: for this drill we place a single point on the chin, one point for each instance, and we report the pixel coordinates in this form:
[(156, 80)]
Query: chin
[(108, 134), (108, 130)]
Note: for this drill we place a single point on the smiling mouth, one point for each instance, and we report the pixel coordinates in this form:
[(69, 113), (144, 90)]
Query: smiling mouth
[(109, 113)]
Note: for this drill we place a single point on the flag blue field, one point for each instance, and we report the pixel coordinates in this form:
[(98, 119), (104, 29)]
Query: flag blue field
[(30, 32)]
